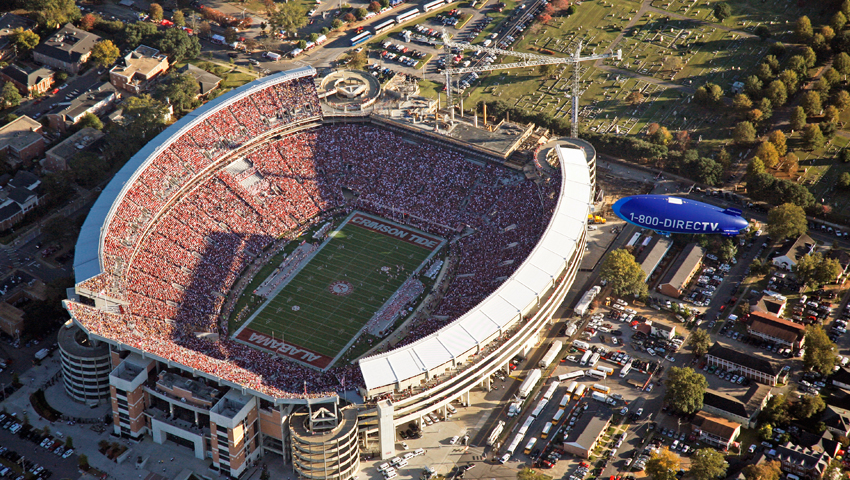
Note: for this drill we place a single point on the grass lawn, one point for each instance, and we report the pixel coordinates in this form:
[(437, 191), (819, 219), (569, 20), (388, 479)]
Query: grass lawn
[(305, 312)]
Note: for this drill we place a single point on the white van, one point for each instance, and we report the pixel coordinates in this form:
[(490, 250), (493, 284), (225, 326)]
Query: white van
[(450, 408)]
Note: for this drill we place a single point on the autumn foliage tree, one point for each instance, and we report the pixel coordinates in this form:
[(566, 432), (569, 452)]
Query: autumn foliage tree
[(88, 21)]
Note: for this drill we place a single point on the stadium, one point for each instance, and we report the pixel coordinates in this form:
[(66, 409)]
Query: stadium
[(406, 270)]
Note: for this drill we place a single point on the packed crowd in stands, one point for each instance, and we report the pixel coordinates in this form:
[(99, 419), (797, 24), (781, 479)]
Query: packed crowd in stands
[(185, 266)]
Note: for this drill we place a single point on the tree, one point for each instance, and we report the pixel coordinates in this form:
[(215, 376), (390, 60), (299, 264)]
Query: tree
[(790, 79), (336, 24), (136, 33), (155, 12), (753, 86), (90, 120), (88, 21), (830, 114), (547, 70), (744, 133), (375, 6), (357, 60), (808, 406), (764, 72), (722, 11), (777, 93), (838, 21), (660, 136), (104, 53), (763, 32), (69, 443), (205, 28), (180, 89), (811, 103), (776, 411), (798, 118), (24, 40), (544, 18), (828, 33), (146, 115), (528, 474), (821, 353), (768, 154), (10, 95), (685, 389), (742, 102), (178, 45), (708, 94), (755, 116), (707, 171), (798, 64), (699, 341), (766, 432), (763, 471), (815, 270), (786, 221), (844, 181), (56, 12), (349, 17), (810, 57), (812, 136), (755, 167), (290, 16), (792, 163), (707, 464), (623, 273), (89, 169), (635, 97), (178, 18), (803, 29), (777, 138), (663, 465), (841, 100), (361, 13)]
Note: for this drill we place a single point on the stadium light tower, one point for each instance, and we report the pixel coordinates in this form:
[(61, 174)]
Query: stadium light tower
[(528, 60)]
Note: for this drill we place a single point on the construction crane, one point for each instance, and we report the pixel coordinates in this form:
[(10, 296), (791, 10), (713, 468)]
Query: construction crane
[(528, 60)]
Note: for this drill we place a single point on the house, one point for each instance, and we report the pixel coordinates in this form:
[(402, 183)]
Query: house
[(772, 328), (792, 253), (754, 368), (715, 431), (67, 50), (587, 431), (773, 304), (140, 67), (801, 461), (22, 194), (818, 443), (652, 254), (836, 419), (94, 100), (22, 140), (11, 320), (30, 81), (679, 274), (8, 23), (743, 409), (664, 331), (206, 80), (58, 157)]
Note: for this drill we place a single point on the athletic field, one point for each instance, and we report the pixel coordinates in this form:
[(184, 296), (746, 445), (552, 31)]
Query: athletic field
[(321, 309)]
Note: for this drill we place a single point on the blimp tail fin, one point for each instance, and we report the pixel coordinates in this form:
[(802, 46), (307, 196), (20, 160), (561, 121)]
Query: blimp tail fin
[(733, 211)]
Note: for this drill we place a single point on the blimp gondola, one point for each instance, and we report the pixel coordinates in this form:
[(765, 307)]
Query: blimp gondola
[(667, 214)]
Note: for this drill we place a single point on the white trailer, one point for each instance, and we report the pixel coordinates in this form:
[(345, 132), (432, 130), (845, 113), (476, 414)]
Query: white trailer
[(571, 375), (529, 382), (494, 435), (625, 370), (551, 354), (585, 301), (551, 390), (586, 357)]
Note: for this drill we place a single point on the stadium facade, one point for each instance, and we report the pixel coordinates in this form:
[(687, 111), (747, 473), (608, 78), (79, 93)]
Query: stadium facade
[(218, 399)]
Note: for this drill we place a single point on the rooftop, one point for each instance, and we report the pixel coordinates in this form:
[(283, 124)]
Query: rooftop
[(26, 75), (73, 339), (205, 79), (769, 324), (69, 44), (719, 427), (84, 101), (652, 254), (589, 426), (76, 142), (740, 358), (197, 388), (799, 248), (20, 133), (684, 265), (141, 60)]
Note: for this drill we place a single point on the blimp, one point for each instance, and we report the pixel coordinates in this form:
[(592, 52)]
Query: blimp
[(666, 214)]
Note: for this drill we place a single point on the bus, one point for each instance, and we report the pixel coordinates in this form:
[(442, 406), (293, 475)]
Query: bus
[(600, 388), (545, 432), (572, 387), (581, 345), (383, 26), (540, 406), (408, 15), (597, 374), (358, 39), (530, 445), (579, 391), (558, 416), (608, 370), (432, 5), (633, 240), (564, 401), (571, 375)]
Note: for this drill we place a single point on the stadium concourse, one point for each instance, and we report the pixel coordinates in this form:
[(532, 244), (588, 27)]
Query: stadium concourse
[(178, 225)]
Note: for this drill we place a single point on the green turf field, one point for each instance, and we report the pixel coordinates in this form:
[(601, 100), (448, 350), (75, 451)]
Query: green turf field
[(325, 322)]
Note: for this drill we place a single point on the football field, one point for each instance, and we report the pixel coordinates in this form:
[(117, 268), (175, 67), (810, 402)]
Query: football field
[(323, 307)]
